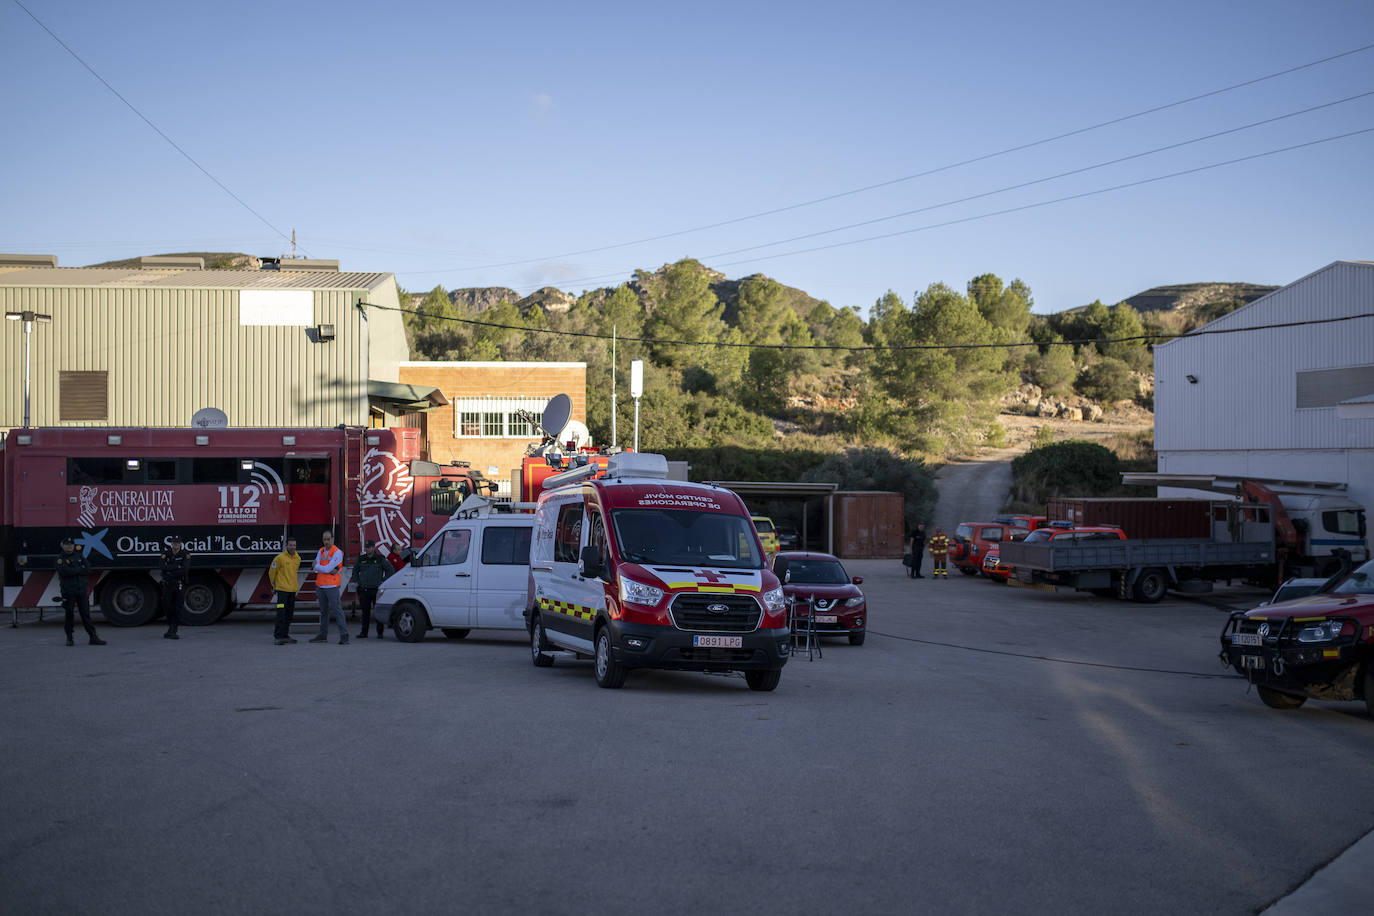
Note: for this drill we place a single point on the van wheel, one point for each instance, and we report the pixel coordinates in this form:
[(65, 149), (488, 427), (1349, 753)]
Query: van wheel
[(410, 622), (856, 639), (1151, 586), (1277, 699), (456, 632), (205, 601), (968, 570), (609, 672), (128, 601), (540, 658), (763, 680)]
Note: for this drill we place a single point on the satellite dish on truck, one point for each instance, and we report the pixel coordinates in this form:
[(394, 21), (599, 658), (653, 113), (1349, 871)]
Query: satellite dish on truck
[(556, 415), (210, 418), (575, 432)]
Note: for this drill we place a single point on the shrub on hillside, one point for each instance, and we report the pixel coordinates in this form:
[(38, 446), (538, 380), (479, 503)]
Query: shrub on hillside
[(1065, 469), (872, 468), (1108, 380)]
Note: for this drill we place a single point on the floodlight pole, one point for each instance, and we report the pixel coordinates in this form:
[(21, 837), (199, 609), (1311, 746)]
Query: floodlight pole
[(636, 389), (613, 438), (28, 317)]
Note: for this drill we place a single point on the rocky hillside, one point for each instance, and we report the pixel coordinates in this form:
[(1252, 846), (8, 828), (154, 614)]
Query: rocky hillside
[(1193, 296)]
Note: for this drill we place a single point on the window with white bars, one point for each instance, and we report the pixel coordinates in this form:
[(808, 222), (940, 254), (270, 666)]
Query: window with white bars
[(495, 418)]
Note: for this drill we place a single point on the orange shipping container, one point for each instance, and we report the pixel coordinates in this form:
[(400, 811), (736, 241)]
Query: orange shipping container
[(868, 523)]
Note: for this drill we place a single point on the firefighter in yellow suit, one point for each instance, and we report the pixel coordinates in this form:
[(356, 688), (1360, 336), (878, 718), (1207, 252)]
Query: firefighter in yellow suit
[(939, 551)]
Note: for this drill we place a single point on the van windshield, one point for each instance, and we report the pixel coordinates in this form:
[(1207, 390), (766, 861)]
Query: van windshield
[(686, 537)]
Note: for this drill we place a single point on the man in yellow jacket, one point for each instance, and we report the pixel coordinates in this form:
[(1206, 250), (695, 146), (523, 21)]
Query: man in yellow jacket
[(284, 579)]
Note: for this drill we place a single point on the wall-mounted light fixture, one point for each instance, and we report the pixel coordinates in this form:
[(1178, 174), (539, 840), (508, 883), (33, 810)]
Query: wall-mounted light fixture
[(324, 333), (1192, 379)]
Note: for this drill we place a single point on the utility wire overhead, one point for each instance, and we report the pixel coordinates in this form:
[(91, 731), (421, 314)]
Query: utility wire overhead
[(189, 158), (1150, 338), (1018, 209), (1035, 181), (932, 171)]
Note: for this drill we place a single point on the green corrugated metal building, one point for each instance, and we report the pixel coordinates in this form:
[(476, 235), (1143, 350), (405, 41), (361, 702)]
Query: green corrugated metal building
[(303, 345)]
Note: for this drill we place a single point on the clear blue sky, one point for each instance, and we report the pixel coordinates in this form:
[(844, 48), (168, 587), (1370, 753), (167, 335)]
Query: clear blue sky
[(435, 140)]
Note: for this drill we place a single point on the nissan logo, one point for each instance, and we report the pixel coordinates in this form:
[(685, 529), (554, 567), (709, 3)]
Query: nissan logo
[(718, 608)]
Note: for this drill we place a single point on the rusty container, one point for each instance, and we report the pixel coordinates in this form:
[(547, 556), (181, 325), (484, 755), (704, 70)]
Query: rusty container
[(1139, 518), (868, 524)]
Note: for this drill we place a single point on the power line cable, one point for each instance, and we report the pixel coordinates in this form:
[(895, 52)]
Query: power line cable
[(189, 158), (1035, 181), (1148, 338), (923, 174), (1018, 209)]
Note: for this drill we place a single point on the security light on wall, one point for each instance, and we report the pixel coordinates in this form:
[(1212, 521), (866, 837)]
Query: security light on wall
[(1192, 379), (325, 333)]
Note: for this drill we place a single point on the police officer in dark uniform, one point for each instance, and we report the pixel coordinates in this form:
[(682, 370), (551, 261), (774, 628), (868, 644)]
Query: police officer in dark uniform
[(73, 574), (175, 563)]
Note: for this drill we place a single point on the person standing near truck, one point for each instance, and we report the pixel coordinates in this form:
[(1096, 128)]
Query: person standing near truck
[(918, 552), (328, 583), (371, 570), (175, 562), (939, 552), (286, 581), (73, 574)]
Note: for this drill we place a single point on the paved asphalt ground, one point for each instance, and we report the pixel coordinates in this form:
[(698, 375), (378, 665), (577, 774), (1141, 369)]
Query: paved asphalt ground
[(989, 749)]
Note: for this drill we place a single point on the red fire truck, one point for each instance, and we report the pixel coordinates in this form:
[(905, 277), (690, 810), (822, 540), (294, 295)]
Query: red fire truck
[(233, 495)]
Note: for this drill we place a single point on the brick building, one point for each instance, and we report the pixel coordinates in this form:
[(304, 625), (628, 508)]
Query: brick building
[(481, 422)]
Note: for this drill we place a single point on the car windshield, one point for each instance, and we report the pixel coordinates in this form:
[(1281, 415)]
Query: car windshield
[(1358, 582), (686, 537), (816, 572), (764, 525), (964, 531), (1038, 535)]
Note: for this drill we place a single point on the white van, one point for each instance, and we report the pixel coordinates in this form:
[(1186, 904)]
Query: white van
[(473, 574)]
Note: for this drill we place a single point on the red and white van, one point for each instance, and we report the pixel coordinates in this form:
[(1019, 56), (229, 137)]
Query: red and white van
[(638, 571)]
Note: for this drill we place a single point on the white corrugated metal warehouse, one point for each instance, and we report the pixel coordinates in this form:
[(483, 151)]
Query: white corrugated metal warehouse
[(1292, 403)]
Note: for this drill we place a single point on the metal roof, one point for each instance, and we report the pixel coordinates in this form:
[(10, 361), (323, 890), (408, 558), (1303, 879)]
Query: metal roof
[(134, 278)]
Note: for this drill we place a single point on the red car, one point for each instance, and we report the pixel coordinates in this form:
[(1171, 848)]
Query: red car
[(817, 584), (971, 541), (992, 566)]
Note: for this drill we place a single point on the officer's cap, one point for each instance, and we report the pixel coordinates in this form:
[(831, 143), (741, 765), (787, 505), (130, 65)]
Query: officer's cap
[(68, 540)]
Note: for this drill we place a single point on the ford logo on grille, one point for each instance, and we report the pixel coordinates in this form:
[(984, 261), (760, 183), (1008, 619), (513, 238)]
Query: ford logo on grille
[(718, 608)]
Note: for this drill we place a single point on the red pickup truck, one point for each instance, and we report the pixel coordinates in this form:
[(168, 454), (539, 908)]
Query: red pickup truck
[(1319, 647)]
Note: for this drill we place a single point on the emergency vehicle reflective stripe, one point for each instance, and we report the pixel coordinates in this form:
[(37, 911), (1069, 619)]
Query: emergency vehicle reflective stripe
[(571, 610), (718, 589)]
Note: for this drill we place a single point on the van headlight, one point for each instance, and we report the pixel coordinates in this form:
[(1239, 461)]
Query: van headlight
[(634, 592), (854, 602), (1325, 631), (773, 600)]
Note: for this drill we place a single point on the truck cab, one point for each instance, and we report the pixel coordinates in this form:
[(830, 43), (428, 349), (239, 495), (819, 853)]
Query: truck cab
[(1318, 647), (638, 571)]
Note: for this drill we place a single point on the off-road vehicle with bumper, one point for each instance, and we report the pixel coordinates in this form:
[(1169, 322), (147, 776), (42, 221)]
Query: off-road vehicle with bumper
[(1319, 647)]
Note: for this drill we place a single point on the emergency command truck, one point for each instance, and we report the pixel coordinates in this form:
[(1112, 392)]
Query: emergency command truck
[(638, 571), (233, 495)]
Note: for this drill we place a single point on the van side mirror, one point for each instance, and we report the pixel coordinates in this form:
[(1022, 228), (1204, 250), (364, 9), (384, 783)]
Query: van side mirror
[(780, 568), (589, 563), (858, 580)]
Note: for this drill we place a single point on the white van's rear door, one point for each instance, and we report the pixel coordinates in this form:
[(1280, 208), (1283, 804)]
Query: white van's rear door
[(446, 582), (502, 576)]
